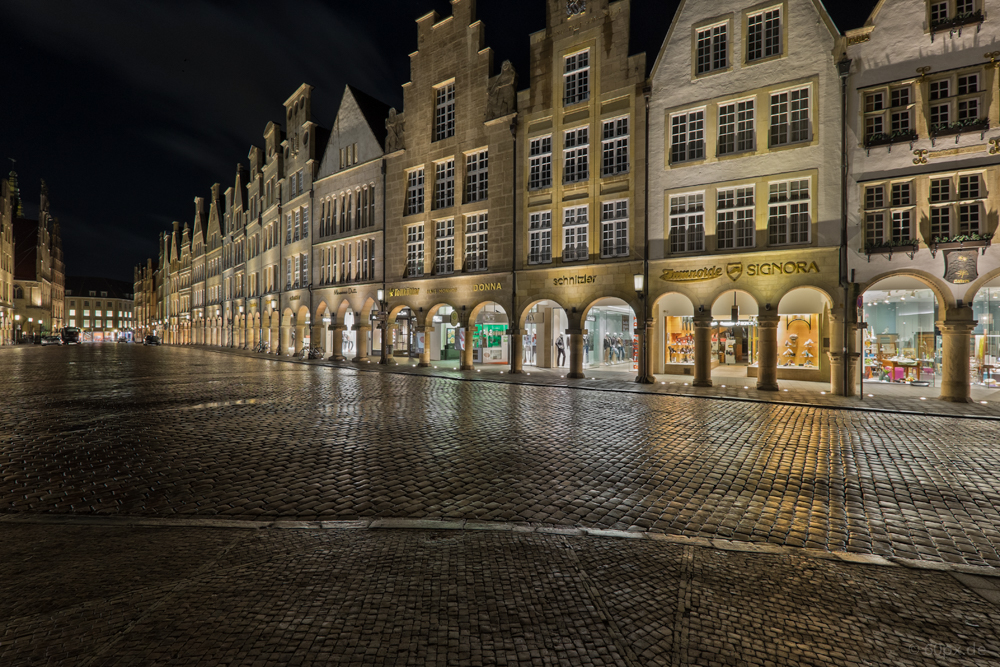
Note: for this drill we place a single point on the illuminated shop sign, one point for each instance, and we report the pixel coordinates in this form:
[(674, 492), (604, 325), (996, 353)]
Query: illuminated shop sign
[(736, 269), (573, 280), (404, 291)]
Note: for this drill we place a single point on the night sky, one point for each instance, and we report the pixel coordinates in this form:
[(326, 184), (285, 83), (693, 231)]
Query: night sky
[(131, 108)]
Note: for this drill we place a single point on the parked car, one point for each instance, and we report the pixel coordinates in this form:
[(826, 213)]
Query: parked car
[(51, 340), (122, 339), (151, 340)]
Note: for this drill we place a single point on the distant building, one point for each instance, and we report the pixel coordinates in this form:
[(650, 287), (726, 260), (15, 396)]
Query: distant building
[(100, 307), (7, 212), (39, 271)]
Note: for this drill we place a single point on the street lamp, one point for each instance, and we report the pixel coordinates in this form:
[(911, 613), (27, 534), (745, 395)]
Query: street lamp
[(639, 281), (17, 328)]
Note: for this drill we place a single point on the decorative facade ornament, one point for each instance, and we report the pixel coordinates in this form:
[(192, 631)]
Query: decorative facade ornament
[(574, 7), (922, 71), (994, 145), (960, 266), (502, 95), (921, 156), (858, 39), (394, 139), (992, 55)]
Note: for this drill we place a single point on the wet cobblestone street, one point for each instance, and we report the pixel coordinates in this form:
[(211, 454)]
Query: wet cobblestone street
[(531, 475)]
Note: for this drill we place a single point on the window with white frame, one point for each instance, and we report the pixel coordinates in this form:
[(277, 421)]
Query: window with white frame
[(788, 212), (764, 34), (614, 228), (371, 258), (888, 114), (288, 275), (736, 127), (712, 48), (476, 256), (576, 78), (414, 193), (477, 174), (576, 224), (687, 222), (540, 237), (444, 111), (444, 184), (956, 206), (949, 13), (576, 148), (540, 163), (304, 270), (735, 220), (614, 146), (444, 246), (687, 136), (790, 117), (414, 250)]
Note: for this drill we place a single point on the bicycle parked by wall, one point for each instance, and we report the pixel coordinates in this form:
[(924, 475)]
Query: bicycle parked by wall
[(262, 347)]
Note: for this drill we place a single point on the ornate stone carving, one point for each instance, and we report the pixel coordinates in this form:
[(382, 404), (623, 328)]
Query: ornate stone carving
[(574, 7), (502, 98), (394, 139)]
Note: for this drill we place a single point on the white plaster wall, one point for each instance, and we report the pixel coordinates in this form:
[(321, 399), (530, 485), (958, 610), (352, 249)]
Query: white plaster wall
[(808, 52), (897, 46)]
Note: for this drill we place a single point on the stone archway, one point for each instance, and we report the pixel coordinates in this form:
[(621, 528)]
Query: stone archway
[(541, 322), (672, 344)]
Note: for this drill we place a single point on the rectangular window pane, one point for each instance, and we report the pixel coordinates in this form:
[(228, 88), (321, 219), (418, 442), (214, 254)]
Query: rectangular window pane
[(414, 250), (576, 78), (540, 163), (444, 112), (477, 176), (414, 193), (712, 49), (687, 136), (614, 229), (614, 146), (576, 155), (444, 184), (476, 257), (575, 234), (444, 257), (540, 237)]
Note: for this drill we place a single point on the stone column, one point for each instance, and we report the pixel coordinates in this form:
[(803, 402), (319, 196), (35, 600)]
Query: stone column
[(466, 360), (702, 350), (284, 339), (362, 353), (425, 356), (337, 354), (767, 352), (956, 331), (843, 350), (517, 351), (318, 336), (575, 353)]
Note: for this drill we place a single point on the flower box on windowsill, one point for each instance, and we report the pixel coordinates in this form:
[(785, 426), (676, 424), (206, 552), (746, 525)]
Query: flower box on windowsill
[(907, 248), (883, 139), (981, 241), (960, 127), (957, 22)]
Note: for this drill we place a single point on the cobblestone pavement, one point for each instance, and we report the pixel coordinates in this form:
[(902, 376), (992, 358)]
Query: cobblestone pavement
[(98, 595), (179, 431)]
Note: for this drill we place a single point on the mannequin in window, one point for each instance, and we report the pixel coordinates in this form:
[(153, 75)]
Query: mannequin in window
[(560, 351)]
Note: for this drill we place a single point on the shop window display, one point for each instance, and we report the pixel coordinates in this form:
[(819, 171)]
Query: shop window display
[(544, 324), (608, 342), (443, 338), (679, 340), (489, 337), (984, 359), (797, 336), (900, 342)]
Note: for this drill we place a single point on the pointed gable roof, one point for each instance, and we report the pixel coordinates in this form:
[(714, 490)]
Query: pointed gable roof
[(198, 233), (361, 120)]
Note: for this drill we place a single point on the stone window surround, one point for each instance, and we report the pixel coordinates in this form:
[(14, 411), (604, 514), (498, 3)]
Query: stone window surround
[(701, 27), (782, 7)]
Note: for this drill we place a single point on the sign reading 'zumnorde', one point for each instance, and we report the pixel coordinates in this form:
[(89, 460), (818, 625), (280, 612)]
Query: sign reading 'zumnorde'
[(404, 291), (691, 275)]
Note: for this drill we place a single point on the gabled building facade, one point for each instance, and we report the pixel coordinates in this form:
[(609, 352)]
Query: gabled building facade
[(8, 208), (347, 231), (745, 195), (39, 273), (581, 197), (449, 198)]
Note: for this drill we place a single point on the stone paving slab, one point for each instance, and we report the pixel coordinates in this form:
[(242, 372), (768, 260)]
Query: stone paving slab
[(131, 434), (471, 597)]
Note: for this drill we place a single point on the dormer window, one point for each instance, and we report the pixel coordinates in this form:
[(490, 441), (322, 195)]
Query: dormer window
[(712, 48), (764, 34)]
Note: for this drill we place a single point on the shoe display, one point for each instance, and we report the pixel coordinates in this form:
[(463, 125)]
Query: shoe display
[(808, 343), (789, 353)]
